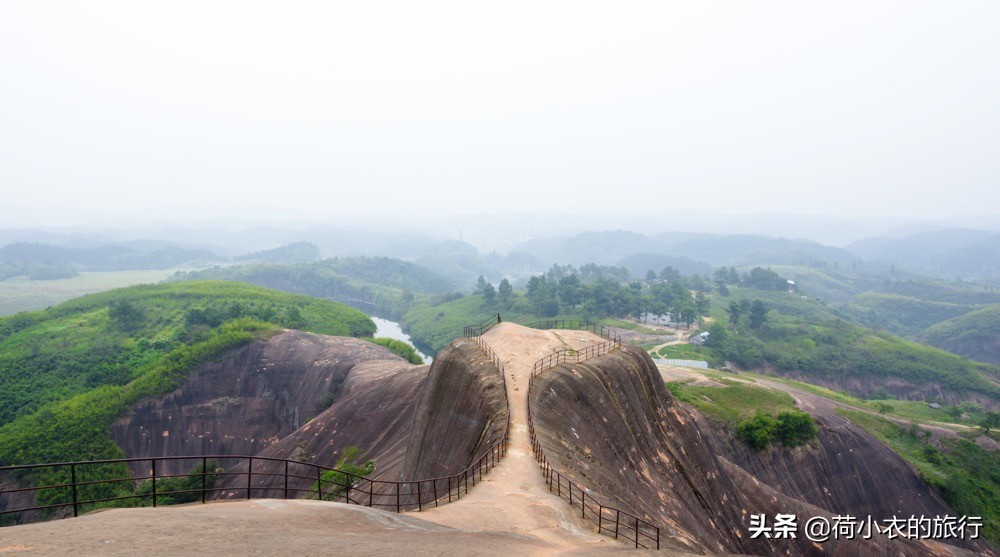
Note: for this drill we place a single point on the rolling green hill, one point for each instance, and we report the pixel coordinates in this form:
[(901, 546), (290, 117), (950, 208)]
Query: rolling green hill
[(902, 315), (376, 284), (803, 337), (67, 372), (975, 335)]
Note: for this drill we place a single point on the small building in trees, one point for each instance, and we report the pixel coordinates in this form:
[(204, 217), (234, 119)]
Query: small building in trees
[(699, 339)]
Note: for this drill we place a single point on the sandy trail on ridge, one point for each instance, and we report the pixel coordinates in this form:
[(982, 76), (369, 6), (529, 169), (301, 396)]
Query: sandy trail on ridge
[(513, 497)]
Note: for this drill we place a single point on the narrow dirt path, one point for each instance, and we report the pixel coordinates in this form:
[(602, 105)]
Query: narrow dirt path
[(513, 497)]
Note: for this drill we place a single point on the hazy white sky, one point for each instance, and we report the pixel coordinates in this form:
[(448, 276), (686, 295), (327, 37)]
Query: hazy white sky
[(193, 110)]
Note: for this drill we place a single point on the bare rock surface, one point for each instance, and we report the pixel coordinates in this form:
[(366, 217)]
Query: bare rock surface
[(246, 401), (415, 422), (267, 527), (611, 425), (514, 497)]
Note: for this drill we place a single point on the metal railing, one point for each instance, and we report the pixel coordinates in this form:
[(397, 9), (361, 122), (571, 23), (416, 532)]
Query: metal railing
[(480, 328), (565, 324), (297, 477), (505, 440), (568, 355), (609, 520)]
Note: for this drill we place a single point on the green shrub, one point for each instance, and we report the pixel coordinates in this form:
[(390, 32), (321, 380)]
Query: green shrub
[(757, 431), (348, 472), (400, 348), (791, 429), (795, 428)]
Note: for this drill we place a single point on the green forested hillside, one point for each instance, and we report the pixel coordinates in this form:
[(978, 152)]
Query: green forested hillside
[(67, 372), (975, 335), (902, 315), (380, 285), (907, 307), (803, 336)]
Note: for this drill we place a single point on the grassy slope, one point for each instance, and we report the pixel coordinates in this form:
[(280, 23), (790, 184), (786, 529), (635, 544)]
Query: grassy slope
[(21, 294), (68, 371), (974, 333), (734, 401), (829, 286), (968, 476), (901, 315), (906, 307), (803, 335), (378, 285)]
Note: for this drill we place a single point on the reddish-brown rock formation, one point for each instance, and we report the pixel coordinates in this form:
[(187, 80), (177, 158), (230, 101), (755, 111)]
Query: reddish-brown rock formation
[(610, 424), (247, 401), (415, 422)]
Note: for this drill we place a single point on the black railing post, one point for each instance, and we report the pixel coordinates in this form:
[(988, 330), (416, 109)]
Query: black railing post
[(397, 497), (72, 473), (583, 502), (286, 479), (449, 489), (618, 515), (249, 476), (657, 537), (435, 492), (154, 480), (420, 505), (637, 533), (204, 478), (319, 483), (600, 518)]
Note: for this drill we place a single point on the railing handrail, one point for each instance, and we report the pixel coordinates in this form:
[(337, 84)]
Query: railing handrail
[(481, 328), (487, 460), (554, 478), (569, 355), (353, 482)]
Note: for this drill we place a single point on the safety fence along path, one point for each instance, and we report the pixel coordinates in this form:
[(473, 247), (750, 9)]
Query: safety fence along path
[(287, 479), (609, 520), (42, 491)]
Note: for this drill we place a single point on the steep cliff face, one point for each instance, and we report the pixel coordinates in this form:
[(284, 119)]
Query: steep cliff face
[(611, 425), (415, 422), (844, 470), (462, 413), (246, 402)]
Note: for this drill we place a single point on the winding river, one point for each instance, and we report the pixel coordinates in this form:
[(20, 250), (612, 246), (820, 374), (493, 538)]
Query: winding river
[(391, 329)]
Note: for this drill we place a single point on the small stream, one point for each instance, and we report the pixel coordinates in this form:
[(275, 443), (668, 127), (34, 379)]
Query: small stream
[(391, 329)]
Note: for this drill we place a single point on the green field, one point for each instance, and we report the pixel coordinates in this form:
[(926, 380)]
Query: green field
[(732, 402), (687, 352), (21, 294)]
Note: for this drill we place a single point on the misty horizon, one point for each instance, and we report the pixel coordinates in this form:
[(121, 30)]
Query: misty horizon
[(124, 113)]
